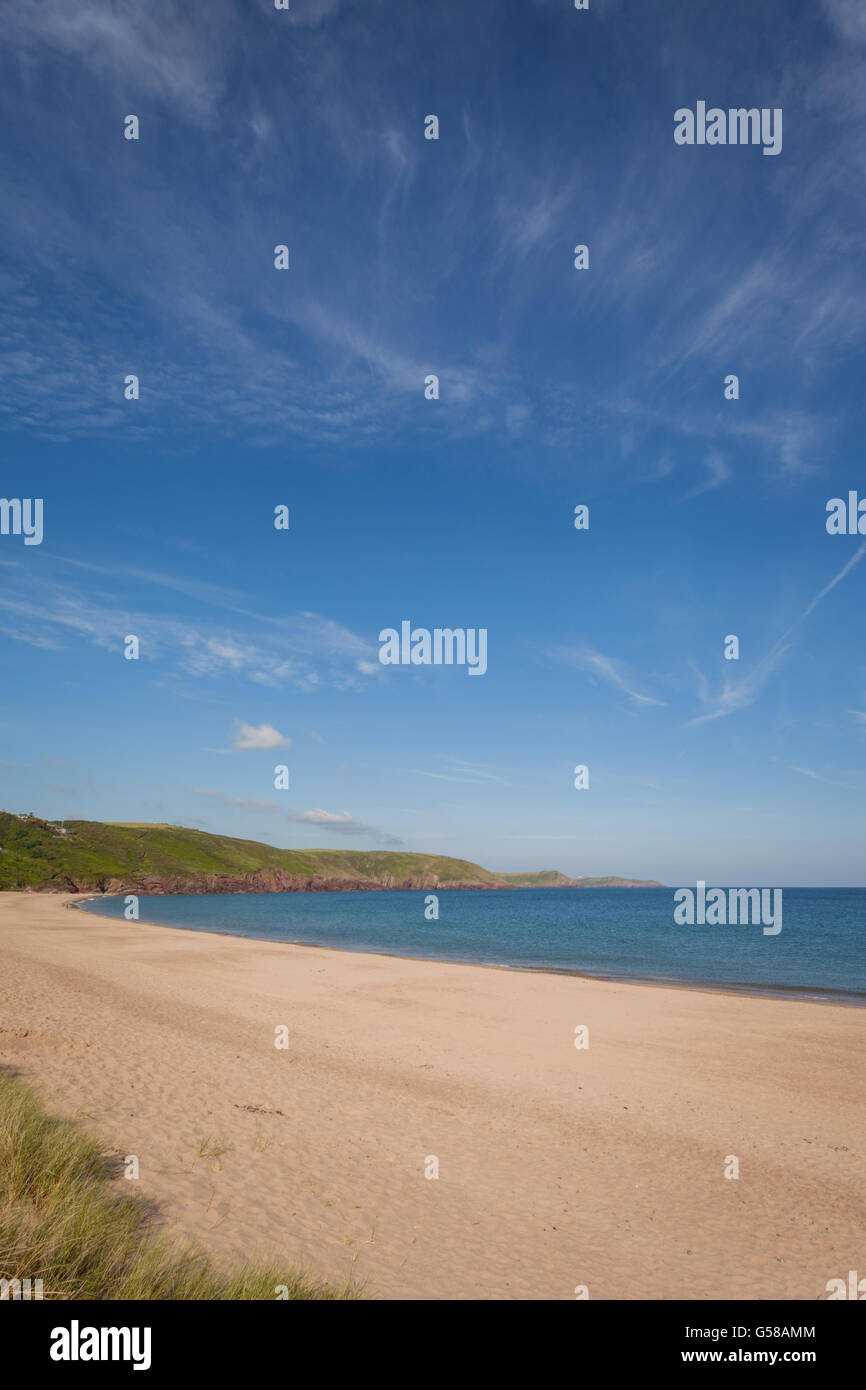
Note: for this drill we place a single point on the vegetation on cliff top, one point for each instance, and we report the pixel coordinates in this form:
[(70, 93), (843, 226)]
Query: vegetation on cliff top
[(34, 854), (552, 878)]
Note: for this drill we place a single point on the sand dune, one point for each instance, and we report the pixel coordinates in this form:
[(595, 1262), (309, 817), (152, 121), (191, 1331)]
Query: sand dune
[(558, 1167)]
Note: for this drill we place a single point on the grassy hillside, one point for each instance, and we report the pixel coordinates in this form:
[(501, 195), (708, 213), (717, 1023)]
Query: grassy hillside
[(94, 853), (34, 855), (545, 878), (613, 882), (552, 878)]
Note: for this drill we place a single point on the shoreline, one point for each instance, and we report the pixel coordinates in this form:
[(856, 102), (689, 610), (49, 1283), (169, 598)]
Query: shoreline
[(556, 1166), (804, 994)]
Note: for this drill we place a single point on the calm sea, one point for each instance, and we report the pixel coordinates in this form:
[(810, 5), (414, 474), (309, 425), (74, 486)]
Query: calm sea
[(610, 933)]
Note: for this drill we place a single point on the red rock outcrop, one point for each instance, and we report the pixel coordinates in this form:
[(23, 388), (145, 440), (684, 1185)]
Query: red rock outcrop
[(264, 881)]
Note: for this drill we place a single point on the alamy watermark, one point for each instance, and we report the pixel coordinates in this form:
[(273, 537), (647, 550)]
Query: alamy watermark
[(720, 907), (444, 646), (736, 126), (21, 1290), (22, 516), (77, 1343), (845, 519), (856, 1288)]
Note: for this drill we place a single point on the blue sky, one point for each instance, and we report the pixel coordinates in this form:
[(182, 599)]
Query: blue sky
[(557, 387)]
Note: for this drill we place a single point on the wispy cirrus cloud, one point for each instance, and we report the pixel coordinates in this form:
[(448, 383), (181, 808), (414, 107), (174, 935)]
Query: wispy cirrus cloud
[(461, 772), (306, 650), (339, 356), (607, 669), (848, 17), (736, 695), (830, 781), (158, 49), (718, 472)]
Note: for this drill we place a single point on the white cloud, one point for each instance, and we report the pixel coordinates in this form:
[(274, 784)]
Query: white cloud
[(848, 17), (321, 652), (461, 772), (341, 823), (718, 473), (261, 736), (829, 781), (331, 818), (607, 669), (737, 695), (334, 822), (159, 48)]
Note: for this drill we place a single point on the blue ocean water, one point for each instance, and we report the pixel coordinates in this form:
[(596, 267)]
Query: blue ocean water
[(611, 933)]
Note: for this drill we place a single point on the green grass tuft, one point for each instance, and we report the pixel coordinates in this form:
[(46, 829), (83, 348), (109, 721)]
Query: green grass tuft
[(61, 1222)]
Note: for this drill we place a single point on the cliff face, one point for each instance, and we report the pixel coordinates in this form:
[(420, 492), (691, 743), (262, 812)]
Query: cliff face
[(277, 881), (266, 881)]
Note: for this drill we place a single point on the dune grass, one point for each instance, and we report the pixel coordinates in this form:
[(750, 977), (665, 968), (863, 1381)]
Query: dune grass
[(61, 1221)]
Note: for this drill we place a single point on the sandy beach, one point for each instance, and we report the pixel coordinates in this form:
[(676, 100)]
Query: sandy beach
[(558, 1167)]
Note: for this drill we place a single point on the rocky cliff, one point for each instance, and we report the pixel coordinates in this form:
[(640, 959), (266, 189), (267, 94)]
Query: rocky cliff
[(271, 881)]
